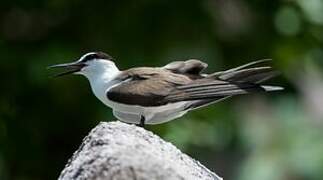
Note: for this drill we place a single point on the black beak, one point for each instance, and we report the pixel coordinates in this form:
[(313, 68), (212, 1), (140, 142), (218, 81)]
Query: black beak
[(68, 67)]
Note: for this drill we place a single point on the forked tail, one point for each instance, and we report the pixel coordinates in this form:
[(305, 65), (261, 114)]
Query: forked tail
[(217, 86), (240, 80), (250, 75)]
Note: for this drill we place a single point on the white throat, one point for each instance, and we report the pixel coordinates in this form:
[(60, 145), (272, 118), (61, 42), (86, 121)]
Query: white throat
[(101, 76)]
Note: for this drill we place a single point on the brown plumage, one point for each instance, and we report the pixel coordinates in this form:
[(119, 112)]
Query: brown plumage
[(183, 81)]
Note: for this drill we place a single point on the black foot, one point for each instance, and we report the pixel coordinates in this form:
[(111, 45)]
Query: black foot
[(142, 121)]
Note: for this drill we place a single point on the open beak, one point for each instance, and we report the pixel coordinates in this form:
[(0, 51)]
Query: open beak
[(68, 67)]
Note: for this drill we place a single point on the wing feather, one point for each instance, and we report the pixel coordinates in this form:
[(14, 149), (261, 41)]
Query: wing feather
[(191, 66), (212, 91), (177, 82), (146, 86)]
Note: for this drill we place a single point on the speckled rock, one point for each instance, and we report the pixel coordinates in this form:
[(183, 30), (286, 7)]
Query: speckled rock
[(120, 151)]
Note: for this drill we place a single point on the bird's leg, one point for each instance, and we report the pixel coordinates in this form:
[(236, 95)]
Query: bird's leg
[(142, 121)]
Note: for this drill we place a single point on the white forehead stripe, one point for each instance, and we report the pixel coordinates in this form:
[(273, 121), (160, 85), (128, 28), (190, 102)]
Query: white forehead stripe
[(87, 54)]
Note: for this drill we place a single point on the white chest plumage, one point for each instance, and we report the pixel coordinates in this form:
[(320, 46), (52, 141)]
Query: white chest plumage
[(132, 113)]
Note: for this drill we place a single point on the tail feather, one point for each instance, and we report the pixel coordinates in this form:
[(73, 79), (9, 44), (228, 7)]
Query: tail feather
[(204, 102), (252, 75), (248, 65), (260, 77), (241, 80), (272, 88), (247, 74), (216, 74)]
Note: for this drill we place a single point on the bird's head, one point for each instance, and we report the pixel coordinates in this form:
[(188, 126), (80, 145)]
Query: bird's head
[(90, 64)]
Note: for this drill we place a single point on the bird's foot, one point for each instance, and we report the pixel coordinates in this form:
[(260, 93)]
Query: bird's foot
[(142, 122)]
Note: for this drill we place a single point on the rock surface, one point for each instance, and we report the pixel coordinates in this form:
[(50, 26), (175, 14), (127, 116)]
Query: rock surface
[(119, 151)]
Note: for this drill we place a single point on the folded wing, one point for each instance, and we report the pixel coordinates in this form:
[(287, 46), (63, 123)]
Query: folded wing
[(175, 82)]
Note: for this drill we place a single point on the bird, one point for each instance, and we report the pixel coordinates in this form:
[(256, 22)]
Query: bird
[(155, 95)]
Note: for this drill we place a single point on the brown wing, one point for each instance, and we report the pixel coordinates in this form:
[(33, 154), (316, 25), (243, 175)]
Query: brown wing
[(156, 90), (146, 86), (240, 80), (159, 86), (192, 66), (209, 89)]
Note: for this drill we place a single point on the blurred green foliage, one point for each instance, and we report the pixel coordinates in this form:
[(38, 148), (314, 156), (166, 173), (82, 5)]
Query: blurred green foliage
[(264, 136)]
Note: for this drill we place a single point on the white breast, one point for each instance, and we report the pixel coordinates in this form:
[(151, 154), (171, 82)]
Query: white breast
[(132, 113)]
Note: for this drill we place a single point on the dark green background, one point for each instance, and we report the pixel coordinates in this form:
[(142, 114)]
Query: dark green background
[(263, 136)]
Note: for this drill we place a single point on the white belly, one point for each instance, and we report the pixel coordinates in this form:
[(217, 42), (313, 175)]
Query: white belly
[(133, 113), (153, 115)]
